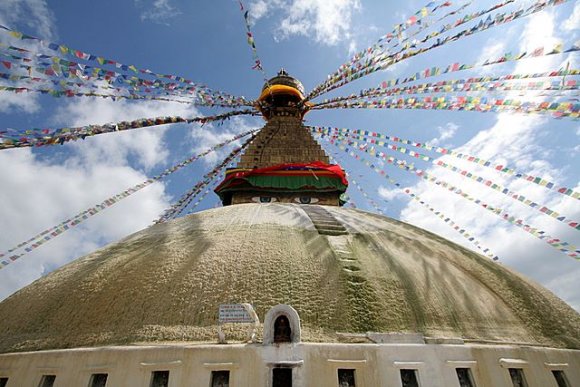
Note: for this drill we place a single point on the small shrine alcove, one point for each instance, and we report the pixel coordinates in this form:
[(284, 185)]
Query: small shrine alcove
[(281, 325)]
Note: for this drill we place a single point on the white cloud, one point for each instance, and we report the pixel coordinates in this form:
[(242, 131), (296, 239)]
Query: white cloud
[(144, 144), (35, 15), (32, 17), (445, 133), (514, 140), (573, 22), (42, 193), (539, 31), (160, 11), (260, 8), (390, 194), (205, 136), (492, 50), (352, 48), (328, 21), (25, 102)]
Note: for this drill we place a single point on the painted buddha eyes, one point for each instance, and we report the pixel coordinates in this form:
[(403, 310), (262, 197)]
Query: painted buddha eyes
[(271, 199), (306, 200), (264, 199)]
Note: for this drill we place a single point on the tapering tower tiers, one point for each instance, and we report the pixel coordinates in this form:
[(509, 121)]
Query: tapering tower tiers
[(282, 140), (283, 163)]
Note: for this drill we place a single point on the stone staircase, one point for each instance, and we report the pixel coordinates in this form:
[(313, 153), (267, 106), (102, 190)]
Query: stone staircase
[(323, 221)]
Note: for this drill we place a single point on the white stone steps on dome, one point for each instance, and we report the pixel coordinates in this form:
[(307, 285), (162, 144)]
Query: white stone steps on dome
[(324, 222)]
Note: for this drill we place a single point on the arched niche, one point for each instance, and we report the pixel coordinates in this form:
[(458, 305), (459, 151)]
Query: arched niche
[(274, 325)]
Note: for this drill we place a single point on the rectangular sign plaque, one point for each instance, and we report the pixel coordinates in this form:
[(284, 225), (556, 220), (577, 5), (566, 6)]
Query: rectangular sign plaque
[(234, 313)]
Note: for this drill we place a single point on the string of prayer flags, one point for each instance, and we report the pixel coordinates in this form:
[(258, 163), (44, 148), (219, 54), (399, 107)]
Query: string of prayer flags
[(465, 173), (188, 197), (470, 158), (565, 247), (61, 72), (396, 33), (504, 83), (520, 198), (344, 197), (456, 66), (368, 198), (53, 66), (204, 91), (62, 88), (465, 103), (71, 93), (426, 25), (343, 135), (382, 61), (202, 196), (51, 233), (11, 138), (556, 49), (351, 179), (211, 187), (379, 46), (251, 41), (415, 197)]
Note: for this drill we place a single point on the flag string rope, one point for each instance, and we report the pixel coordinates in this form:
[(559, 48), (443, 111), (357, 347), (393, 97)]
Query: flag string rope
[(11, 138), (395, 33), (426, 26), (72, 93), (465, 173), (49, 234), (556, 49), (61, 69), (210, 188), (447, 220), (64, 50), (502, 83), (462, 156), (346, 71), (383, 61), (370, 200), (464, 103), (251, 41), (177, 208), (562, 246), (349, 178), (202, 197), (53, 66), (36, 83)]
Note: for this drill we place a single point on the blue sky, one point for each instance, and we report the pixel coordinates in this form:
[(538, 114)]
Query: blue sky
[(205, 42)]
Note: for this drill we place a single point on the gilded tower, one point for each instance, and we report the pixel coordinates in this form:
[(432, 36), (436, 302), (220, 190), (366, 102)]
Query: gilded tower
[(283, 163)]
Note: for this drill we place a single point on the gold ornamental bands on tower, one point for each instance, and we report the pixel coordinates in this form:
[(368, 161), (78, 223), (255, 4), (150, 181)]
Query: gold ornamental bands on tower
[(283, 139), (283, 163)]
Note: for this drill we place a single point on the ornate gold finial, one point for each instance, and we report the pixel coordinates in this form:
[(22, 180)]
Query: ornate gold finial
[(282, 91)]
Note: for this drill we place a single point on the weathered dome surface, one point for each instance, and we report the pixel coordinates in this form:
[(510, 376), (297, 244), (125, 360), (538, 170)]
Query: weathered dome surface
[(165, 283)]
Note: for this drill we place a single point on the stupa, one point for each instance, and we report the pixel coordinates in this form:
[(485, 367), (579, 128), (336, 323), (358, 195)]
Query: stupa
[(284, 287)]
